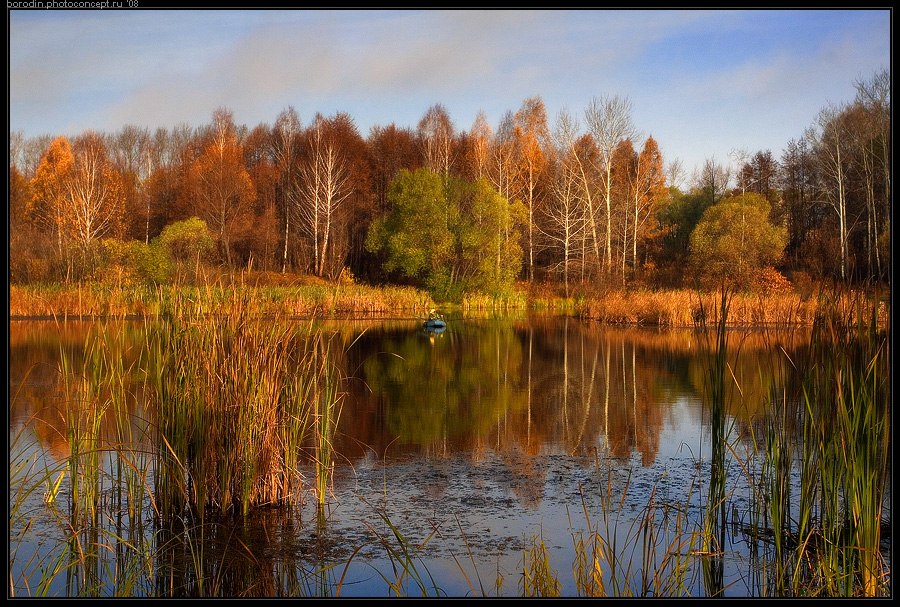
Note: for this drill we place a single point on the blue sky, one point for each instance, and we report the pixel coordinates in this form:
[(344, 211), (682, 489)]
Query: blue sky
[(702, 83)]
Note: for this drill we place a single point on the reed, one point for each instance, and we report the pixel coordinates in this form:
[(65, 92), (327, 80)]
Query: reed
[(238, 393), (517, 300), (686, 308), (325, 398), (716, 396), (830, 424), (408, 570), (654, 556), (539, 579), (846, 394)]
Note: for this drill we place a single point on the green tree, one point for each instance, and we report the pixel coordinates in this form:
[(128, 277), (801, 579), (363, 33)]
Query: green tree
[(451, 235), (414, 236), (489, 255), (735, 239)]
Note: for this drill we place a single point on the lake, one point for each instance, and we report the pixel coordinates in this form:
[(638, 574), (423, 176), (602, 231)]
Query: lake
[(498, 457)]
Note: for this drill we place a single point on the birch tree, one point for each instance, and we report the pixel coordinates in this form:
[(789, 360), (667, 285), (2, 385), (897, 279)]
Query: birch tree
[(609, 121), (436, 133), (583, 153), (95, 200), (326, 185), (565, 213)]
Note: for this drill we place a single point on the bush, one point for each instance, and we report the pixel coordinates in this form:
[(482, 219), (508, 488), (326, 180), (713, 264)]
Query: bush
[(187, 244), (734, 240), (770, 281)]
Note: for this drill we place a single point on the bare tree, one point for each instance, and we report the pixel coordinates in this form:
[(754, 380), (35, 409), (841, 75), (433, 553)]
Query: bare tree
[(609, 121), (480, 145), (583, 153), (712, 181), (436, 133), (873, 134), (675, 173), (286, 150), (565, 213), (830, 139)]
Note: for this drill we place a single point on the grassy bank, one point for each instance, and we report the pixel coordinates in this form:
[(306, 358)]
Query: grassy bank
[(685, 308), (313, 297), (318, 299)]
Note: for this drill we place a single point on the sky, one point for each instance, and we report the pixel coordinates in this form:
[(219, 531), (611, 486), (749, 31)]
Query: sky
[(704, 84)]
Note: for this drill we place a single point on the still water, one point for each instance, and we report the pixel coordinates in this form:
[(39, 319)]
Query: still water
[(457, 454)]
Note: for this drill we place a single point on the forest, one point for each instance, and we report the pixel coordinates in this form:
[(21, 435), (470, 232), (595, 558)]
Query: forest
[(567, 201)]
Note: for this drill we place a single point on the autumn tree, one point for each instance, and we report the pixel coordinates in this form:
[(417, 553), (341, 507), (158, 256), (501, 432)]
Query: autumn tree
[(20, 197), (50, 189), (648, 194), (531, 136), (624, 180), (260, 245), (734, 240), (222, 191)]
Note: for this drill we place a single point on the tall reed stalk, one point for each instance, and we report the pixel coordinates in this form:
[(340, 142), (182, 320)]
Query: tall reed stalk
[(236, 393), (846, 395), (325, 398), (717, 389), (831, 425)]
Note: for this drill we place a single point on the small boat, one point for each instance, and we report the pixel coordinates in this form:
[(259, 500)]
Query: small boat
[(435, 325)]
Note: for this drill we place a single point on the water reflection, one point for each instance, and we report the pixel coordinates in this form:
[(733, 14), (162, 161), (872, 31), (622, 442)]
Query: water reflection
[(542, 385), (530, 386), (491, 427)]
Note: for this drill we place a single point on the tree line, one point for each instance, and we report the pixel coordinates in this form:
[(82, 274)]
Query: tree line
[(581, 197)]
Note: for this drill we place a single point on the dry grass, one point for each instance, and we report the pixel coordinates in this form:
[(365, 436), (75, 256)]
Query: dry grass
[(305, 296), (314, 299), (686, 308)]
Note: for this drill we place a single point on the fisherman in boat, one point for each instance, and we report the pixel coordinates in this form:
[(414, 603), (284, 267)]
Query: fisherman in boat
[(434, 315)]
